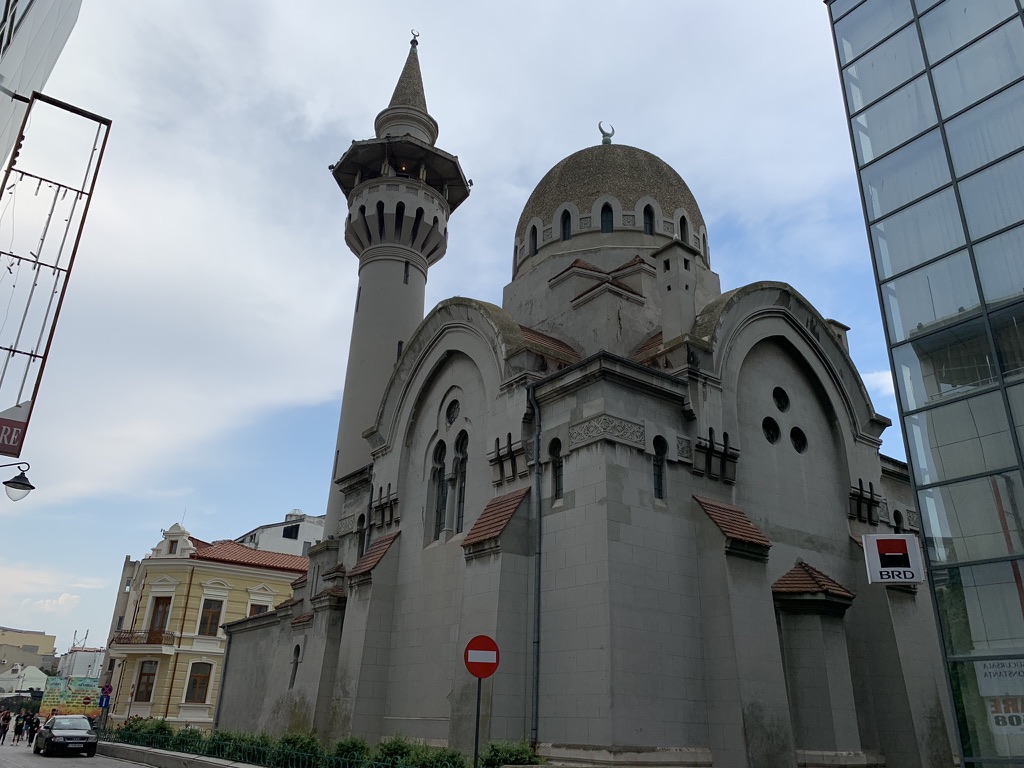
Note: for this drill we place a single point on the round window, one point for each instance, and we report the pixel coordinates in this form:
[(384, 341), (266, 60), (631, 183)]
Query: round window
[(799, 439), (771, 430)]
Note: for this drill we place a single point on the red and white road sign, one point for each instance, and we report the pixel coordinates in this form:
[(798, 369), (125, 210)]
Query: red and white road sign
[(482, 656), (87, 701)]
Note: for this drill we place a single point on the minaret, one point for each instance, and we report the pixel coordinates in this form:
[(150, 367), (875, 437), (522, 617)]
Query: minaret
[(401, 190)]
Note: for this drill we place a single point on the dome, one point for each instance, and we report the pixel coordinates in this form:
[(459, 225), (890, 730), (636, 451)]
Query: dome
[(623, 172)]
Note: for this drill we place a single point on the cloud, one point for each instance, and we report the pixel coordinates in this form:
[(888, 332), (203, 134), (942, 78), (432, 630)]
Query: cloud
[(880, 383), (63, 605)]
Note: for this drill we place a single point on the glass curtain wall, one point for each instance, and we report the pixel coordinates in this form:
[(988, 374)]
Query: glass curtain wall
[(934, 91)]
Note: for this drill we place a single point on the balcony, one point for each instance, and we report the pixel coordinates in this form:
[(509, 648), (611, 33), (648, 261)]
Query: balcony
[(143, 637)]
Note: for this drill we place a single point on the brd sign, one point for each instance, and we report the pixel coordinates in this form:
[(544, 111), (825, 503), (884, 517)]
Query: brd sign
[(893, 558)]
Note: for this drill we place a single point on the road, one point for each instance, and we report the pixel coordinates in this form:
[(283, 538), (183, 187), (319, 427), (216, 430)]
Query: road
[(22, 757)]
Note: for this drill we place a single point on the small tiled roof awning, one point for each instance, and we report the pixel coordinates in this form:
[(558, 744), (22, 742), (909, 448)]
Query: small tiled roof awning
[(805, 589), (373, 555), (495, 517), (804, 579), (305, 618), (743, 537), (549, 344)]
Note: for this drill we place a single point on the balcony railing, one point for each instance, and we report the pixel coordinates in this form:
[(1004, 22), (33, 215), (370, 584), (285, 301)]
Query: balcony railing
[(143, 637)]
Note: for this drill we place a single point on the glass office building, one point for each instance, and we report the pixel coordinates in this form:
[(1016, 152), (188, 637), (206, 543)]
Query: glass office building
[(934, 91)]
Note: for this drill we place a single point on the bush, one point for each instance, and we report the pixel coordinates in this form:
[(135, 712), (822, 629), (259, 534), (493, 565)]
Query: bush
[(353, 750), (396, 751), (223, 744), (298, 749), (500, 753), (440, 757), (189, 740)]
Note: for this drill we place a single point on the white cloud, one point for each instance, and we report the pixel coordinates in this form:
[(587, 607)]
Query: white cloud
[(64, 604), (880, 383)]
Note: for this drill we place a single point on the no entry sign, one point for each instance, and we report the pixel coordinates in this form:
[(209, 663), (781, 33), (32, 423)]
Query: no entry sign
[(482, 656)]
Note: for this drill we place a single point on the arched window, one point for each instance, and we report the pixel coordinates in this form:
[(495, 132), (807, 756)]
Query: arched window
[(198, 685), (555, 452), (707, 255), (440, 488), (500, 460), (296, 651), (607, 224), (684, 231), (512, 456), (533, 241), (897, 521), (399, 221), (660, 450), (648, 220), (566, 225), (380, 221), (361, 534), (461, 449)]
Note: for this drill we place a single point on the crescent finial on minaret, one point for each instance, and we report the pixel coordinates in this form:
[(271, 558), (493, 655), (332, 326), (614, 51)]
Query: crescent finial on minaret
[(415, 35), (606, 137)]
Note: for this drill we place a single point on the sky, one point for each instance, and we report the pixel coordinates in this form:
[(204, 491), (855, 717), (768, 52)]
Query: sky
[(196, 372)]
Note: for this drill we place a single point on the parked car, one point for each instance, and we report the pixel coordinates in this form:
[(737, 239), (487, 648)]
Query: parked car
[(66, 733)]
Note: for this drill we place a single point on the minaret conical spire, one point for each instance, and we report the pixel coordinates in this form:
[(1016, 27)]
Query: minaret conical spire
[(407, 113)]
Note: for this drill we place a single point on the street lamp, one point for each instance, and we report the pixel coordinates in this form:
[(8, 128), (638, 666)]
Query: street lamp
[(18, 486)]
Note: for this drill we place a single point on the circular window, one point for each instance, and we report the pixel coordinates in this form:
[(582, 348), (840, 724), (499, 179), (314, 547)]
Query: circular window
[(771, 430), (781, 399), (452, 413), (799, 439)]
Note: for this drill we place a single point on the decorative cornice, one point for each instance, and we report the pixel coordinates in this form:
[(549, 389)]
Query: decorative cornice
[(606, 427)]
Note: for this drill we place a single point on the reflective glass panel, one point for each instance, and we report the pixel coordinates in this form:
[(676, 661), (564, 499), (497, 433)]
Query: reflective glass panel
[(1016, 397), (956, 22), (950, 363), (839, 7), (974, 520), (917, 302), (905, 175), (868, 24), (918, 233), (971, 75), (876, 73), (989, 698), (1000, 262), (988, 131), (924, 5), (982, 610), (1008, 327), (892, 121), (994, 198), (967, 437)]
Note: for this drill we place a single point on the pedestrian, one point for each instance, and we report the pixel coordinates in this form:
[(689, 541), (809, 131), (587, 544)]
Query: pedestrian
[(5, 724), (31, 726), (19, 727)]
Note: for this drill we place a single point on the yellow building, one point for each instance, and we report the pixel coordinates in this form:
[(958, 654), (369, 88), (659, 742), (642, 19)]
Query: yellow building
[(168, 653), (26, 646)]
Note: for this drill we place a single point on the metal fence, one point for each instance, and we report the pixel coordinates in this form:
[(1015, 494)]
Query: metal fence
[(252, 749)]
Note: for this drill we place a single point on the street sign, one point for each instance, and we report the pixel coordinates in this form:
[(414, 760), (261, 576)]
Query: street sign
[(86, 701), (107, 689), (893, 558), (482, 656), (104, 702)]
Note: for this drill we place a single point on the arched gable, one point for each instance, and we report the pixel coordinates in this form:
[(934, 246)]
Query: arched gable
[(735, 322), (484, 333)]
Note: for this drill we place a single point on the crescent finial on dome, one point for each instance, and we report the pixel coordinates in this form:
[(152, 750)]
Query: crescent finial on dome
[(606, 137)]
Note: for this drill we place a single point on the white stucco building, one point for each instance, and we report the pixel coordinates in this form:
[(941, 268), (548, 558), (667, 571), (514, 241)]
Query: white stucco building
[(292, 536), (648, 491)]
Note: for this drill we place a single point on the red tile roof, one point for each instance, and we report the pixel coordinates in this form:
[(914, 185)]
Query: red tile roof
[(495, 517), (339, 568), (288, 603), (299, 581), (733, 522), (302, 619), (331, 592), (652, 343), (557, 346), (803, 579), (234, 553), (580, 264), (373, 555), (632, 262), (198, 543)]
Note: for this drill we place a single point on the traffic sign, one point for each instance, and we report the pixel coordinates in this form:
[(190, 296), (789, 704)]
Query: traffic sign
[(104, 702), (893, 558), (107, 689), (482, 656), (87, 701)]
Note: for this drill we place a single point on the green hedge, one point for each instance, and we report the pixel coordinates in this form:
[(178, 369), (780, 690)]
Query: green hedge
[(302, 749)]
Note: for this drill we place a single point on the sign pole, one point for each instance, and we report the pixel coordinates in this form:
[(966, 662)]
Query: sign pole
[(476, 738)]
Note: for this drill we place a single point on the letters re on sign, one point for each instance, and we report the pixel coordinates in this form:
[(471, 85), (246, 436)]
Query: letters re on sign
[(893, 558)]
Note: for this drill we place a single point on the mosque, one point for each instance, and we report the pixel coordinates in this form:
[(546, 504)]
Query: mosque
[(651, 493)]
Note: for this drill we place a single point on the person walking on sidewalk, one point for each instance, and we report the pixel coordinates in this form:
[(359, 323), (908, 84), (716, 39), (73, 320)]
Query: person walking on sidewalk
[(31, 726), (5, 724), (19, 727)]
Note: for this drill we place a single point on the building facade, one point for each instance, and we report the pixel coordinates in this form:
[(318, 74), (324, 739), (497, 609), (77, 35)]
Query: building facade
[(935, 96), (167, 654), (293, 536), (27, 647), (81, 662), (651, 493)]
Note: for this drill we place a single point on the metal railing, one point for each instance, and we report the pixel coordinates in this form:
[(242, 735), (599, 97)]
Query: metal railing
[(143, 637), (257, 750)]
